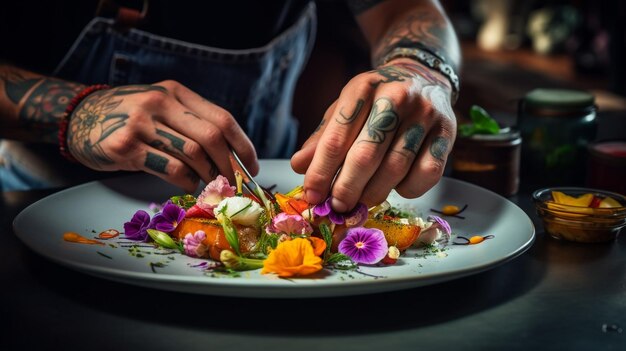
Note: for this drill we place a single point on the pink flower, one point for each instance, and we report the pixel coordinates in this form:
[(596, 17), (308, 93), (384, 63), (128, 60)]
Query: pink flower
[(192, 243), (216, 191), (289, 224)]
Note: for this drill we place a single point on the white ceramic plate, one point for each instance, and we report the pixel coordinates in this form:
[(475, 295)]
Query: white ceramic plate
[(91, 208)]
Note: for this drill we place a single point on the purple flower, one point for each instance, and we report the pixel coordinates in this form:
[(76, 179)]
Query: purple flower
[(167, 220), (364, 245), (192, 243), (439, 222), (136, 228), (354, 218)]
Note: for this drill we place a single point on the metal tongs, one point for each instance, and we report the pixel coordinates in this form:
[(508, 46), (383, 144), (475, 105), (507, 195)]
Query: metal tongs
[(261, 194)]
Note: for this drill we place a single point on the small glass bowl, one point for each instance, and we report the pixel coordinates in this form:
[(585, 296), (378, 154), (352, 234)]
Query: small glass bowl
[(580, 224)]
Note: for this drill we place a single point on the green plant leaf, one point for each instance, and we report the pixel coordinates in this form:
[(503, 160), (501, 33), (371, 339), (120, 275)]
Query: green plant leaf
[(482, 123)]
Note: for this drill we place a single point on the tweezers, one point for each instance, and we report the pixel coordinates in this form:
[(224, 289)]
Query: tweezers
[(260, 193)]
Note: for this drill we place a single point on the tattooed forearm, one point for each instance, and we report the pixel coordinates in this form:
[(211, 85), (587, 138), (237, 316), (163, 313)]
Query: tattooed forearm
[(36, 103), (382, 120), (439, 148), (425, 27), (349, 119)]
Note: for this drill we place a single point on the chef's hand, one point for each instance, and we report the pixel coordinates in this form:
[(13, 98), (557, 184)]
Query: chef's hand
[(390, 128), (164, 129)]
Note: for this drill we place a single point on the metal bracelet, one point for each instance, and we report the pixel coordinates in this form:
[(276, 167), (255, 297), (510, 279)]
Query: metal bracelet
[(430, 60)]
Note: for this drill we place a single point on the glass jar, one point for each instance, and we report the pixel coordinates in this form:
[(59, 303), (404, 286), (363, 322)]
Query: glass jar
[(490, 161), (607, 165), (556, 126)]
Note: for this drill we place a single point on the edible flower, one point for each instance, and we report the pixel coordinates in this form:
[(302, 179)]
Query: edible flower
[(192, 244), (441, 223), (292, 258), (354, 218), (435, 229), (284, 223), (169, 217), (364, 245), (135, 229), (216, 191), (242, 210)]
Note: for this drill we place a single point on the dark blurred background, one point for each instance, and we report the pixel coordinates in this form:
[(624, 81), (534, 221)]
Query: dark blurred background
[(510, 47)]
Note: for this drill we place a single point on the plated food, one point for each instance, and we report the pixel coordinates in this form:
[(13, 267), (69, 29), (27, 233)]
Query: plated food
[(283, 235)]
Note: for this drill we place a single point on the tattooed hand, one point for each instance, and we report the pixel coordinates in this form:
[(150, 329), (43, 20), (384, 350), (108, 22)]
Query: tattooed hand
[(390, 128), (164, 129)]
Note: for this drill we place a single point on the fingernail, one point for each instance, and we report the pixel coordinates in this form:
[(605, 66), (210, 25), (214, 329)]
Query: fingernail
[(313, 197), (338, 205)]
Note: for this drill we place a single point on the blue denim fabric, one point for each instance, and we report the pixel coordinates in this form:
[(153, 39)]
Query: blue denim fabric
[(255, 85), (15, 175)]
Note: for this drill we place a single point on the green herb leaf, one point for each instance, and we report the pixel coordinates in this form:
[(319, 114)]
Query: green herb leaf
[(328, 238), (482, 123), (162, 238)]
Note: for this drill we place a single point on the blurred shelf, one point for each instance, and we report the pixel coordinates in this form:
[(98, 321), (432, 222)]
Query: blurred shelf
[(498, 79)]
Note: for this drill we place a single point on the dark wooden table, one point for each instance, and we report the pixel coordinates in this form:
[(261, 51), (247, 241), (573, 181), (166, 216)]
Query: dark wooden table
[(557, 295)]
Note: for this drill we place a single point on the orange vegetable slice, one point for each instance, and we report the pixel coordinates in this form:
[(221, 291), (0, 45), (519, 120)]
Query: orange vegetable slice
[(215, 238), (397, 234)]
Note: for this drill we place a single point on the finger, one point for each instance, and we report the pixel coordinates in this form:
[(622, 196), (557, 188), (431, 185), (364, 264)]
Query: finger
[(301, 160), (429, 164), (187, 150), (342, 128), (168, 168), (203, 132), (395, 165), (200, 108), (365, 155)]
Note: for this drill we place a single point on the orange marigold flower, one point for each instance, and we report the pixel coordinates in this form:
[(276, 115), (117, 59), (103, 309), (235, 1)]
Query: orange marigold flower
[(292, 258)]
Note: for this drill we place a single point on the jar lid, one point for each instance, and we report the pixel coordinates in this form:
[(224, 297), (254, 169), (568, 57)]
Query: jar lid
[(610, 151), (505, 134), (566, 99)]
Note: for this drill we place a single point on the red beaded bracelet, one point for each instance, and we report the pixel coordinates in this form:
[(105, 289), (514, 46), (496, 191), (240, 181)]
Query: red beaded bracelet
[(64, 122)]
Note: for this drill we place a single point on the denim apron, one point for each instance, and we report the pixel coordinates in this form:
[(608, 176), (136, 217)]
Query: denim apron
[(255, 85)]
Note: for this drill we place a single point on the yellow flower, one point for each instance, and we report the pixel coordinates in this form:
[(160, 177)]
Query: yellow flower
[(292, 258)]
